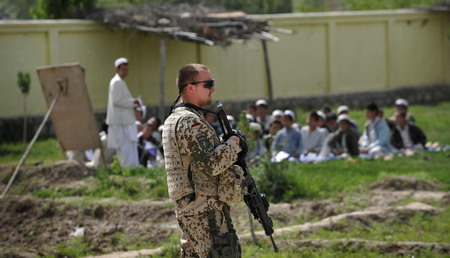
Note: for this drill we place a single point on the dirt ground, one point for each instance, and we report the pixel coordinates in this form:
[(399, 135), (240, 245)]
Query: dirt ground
[(31, 227)]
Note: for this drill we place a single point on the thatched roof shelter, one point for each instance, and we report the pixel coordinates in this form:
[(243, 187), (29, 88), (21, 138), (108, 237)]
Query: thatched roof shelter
[(197, 23), (194, 23)]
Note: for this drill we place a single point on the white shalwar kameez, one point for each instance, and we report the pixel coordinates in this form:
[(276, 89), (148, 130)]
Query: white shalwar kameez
[(122, 132)]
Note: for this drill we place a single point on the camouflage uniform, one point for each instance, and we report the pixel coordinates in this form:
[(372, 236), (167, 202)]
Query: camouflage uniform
[(201, 178)]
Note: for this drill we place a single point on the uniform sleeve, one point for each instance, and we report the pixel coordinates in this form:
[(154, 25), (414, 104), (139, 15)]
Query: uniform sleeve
[(120, 96), (199, 141)]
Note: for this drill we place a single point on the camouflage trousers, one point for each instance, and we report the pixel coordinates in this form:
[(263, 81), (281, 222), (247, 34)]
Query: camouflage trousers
[(196, 236)]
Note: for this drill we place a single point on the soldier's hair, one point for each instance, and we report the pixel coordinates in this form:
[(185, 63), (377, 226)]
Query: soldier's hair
[(188, 73)]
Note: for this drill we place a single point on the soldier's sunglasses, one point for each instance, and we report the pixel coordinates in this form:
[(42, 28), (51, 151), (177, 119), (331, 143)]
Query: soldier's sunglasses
[(207, 84)]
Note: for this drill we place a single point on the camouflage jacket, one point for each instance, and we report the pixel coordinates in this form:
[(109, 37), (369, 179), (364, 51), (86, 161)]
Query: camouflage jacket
[(197, 161)]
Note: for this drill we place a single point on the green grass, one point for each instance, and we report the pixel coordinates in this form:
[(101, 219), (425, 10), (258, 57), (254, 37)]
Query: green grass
[(254, 251), (282, 182), (421, 227), (119, 183), (80, 246), (44, 150), (287, 181)]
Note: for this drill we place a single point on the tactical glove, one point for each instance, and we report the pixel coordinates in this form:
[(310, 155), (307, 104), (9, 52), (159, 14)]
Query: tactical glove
[(242, 143)]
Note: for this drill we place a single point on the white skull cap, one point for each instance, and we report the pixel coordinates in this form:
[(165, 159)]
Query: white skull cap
[(120, 61)]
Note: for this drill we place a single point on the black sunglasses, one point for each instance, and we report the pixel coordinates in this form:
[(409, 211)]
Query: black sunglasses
[(207, 84)]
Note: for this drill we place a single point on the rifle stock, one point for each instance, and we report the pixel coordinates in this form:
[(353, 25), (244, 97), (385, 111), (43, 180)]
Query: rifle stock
[(256, 202)]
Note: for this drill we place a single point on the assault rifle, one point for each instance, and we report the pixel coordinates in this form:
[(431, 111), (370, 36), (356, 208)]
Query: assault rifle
[(256, 202)]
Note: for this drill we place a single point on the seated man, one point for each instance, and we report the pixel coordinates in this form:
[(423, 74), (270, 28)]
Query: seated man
[(402, 106), (277, 115), (275, 127), (147, 146), (343, 142), (257, 150), (331, 123), (295, 125), (262, 116), (288, 139), (405, 135), (375, 138), (343, 109), (312, 137), (156, 123)]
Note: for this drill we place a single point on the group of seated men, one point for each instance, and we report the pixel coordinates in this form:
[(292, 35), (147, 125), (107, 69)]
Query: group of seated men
[(328, 135)]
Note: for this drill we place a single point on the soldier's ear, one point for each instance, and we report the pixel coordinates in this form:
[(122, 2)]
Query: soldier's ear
[(190, 88)]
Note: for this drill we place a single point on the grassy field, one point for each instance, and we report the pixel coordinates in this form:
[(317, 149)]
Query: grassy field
[(44, 150), (286, 182), (281, 181)]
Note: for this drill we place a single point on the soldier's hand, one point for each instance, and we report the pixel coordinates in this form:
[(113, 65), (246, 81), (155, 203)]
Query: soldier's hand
[(242, 143), (235, 138)]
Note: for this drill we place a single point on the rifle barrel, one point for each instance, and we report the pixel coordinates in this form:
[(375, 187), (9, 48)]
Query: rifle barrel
[(275, 248)]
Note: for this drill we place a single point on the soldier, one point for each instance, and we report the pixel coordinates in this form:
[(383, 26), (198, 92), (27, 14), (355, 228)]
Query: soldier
[(201, 175)]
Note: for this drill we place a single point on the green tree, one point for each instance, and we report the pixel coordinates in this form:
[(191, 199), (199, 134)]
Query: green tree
[(16, 9), (248, 6), (386, 4), (357, 5), (62, 9)]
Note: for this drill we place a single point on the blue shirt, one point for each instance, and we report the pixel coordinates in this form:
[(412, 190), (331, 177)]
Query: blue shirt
[(288, 140), (376, 133)]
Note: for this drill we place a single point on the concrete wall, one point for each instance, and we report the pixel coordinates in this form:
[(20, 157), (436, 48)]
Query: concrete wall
[(330, 53), (360, 51)]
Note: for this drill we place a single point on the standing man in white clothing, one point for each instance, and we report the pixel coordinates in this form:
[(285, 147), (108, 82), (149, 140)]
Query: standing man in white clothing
[(120, 117)]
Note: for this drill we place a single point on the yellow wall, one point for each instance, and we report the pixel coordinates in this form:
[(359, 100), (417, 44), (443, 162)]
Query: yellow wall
[(329, 53), (359, 51)]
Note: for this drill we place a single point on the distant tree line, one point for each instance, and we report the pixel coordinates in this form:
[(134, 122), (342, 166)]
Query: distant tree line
[(64, 9), (358, 5)]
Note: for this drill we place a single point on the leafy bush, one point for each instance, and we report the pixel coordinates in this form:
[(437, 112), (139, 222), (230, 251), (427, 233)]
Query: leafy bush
[(272, 180)]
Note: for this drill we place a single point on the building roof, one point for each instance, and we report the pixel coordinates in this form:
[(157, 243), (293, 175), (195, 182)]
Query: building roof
[(187, 22)]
